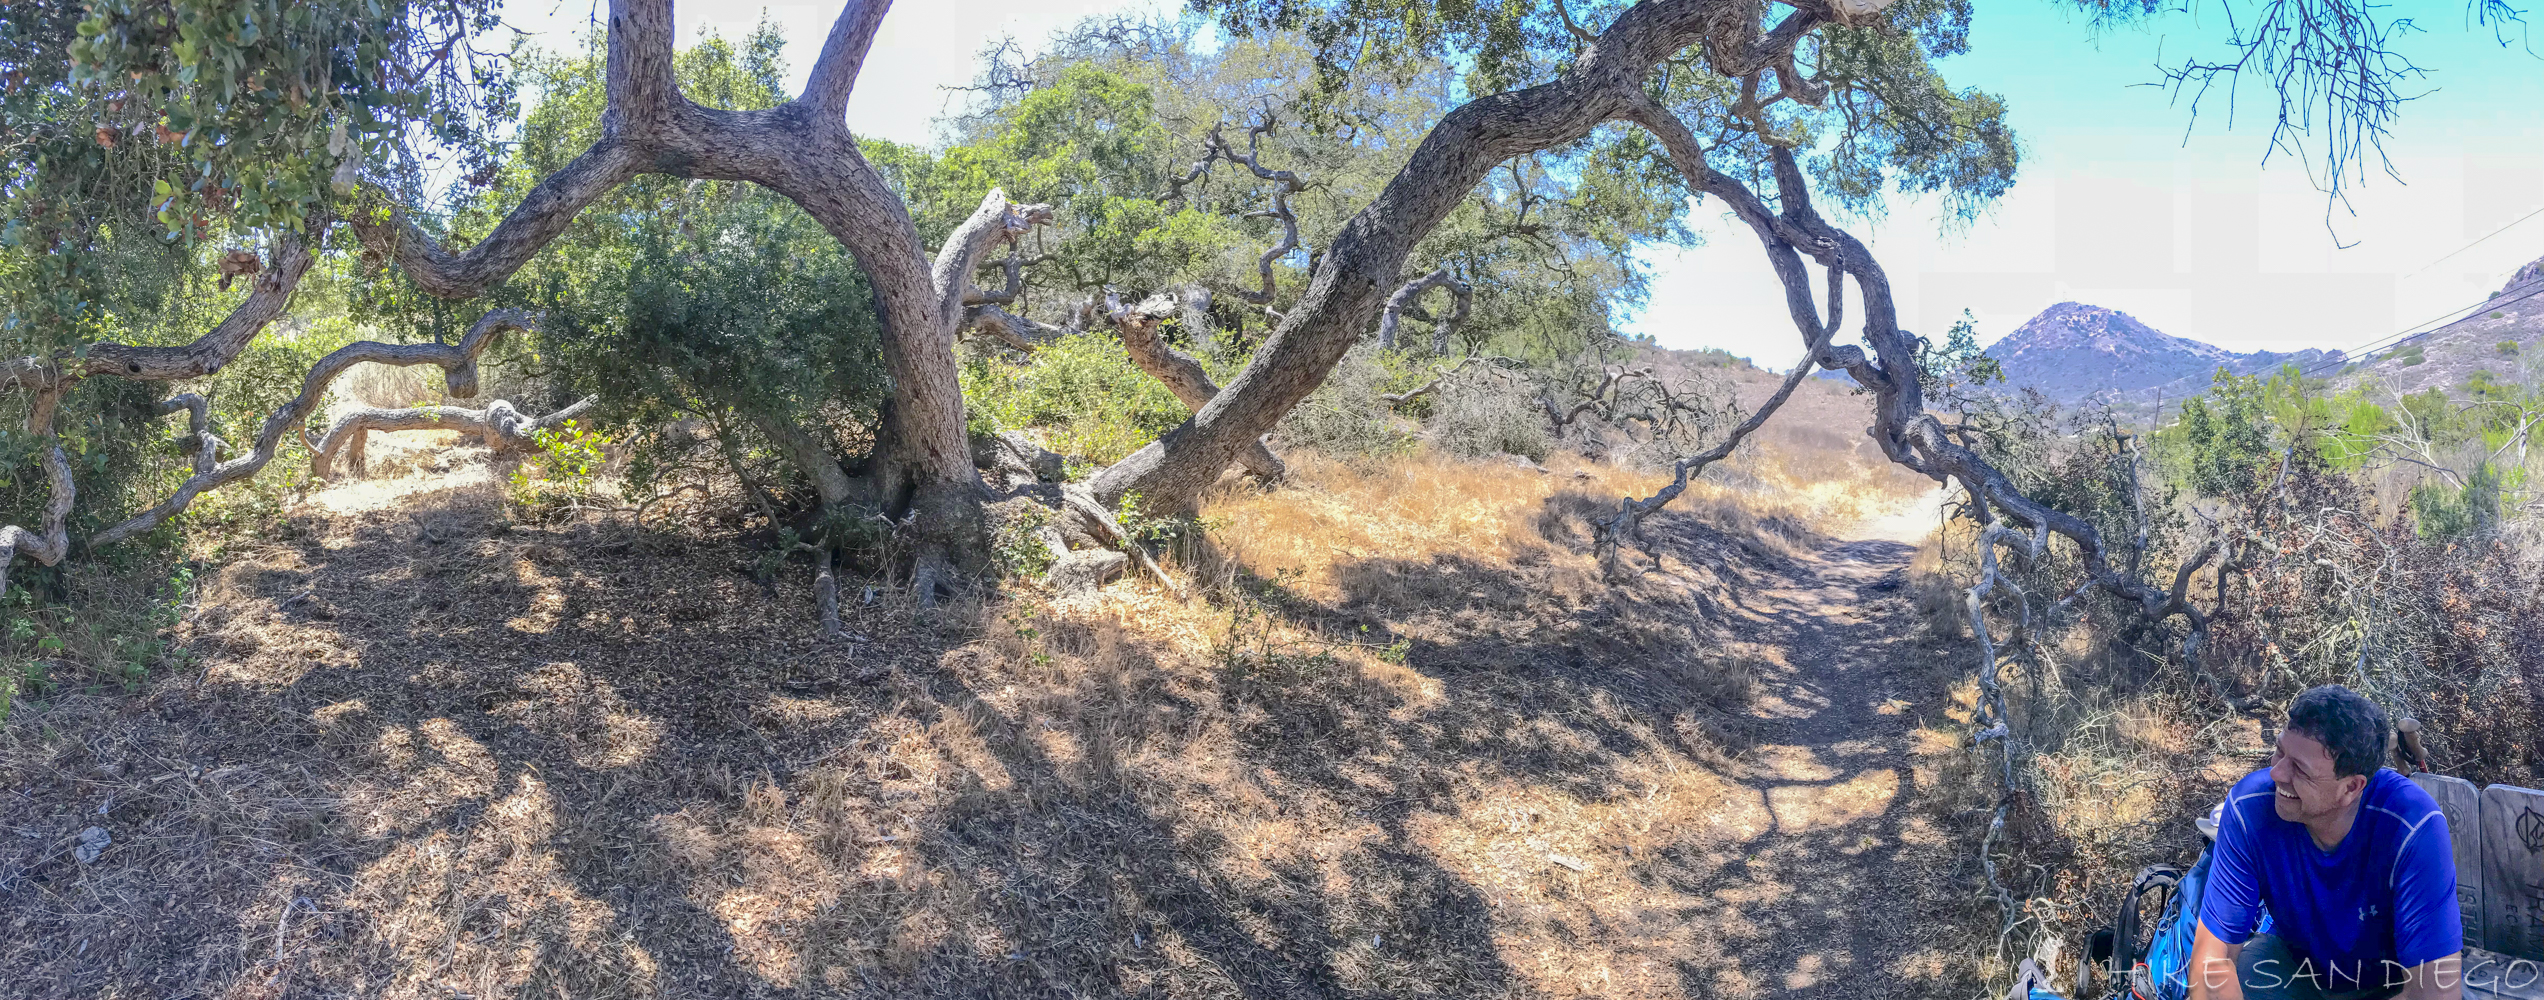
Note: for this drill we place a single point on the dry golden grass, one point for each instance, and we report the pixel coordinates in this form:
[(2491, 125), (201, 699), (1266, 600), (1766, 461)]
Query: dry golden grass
[(1410, 745)]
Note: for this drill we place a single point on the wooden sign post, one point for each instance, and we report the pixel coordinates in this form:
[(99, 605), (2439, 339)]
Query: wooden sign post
[(2512, 824), (2461, 804)]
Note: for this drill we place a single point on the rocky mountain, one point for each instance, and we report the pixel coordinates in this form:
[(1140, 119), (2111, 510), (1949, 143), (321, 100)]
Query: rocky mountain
[(2496, 336), (2072, 351)]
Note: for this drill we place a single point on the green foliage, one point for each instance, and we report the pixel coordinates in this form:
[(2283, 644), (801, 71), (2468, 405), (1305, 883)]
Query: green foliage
[(2508, 347), (2470, 510), (680, 303), (270, 109), (1949, 375), (1081, 391), (101, 643), (1113, 116), (2225, 437), (561, 472)]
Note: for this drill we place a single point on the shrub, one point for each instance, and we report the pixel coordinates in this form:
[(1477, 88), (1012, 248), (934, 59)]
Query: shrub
[(2496, 314), (1480, 418), (1345, 417), (2508, 347), (559, 476), (1081, 390), (2441, 512)]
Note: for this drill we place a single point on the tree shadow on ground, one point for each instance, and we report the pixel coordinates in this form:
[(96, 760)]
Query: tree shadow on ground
[(463, 756)]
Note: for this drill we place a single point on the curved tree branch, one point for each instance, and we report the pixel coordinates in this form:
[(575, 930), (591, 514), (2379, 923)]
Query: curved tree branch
[(843, 56), (198, 437), (1905, 431), (49, 546), (996, 221), (1402, 303), (1182, 374), (541, 216), (458, 362), (501, 425), (1366, 258)]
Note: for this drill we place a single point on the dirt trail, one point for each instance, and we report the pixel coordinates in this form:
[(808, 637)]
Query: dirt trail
[(429, 751), (1832, 882)]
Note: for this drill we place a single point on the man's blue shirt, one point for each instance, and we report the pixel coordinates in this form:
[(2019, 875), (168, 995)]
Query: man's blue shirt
[(2385, 893)]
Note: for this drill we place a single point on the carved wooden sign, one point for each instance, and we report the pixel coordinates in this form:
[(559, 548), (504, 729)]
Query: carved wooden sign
[(2461, 803), (2512, 822)]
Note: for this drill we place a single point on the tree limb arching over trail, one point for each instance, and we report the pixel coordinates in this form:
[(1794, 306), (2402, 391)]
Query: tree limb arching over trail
[(921, 475)]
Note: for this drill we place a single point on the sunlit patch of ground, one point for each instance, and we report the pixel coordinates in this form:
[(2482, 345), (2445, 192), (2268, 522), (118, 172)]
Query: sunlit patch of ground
[(429, 750)]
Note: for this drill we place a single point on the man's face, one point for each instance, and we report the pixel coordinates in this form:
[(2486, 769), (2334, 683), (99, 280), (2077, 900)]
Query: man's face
[(2302, 770)]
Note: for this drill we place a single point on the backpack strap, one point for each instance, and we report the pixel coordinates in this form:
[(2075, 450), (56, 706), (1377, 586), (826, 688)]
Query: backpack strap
[(2152, 879)]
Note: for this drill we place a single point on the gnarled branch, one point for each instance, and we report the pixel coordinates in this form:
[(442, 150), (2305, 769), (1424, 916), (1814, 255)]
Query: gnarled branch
[(54, 542), (1402, 303), (500, 425), (458, 363), (997, 220), (1182, 374), (198, 437), (1906, 433)]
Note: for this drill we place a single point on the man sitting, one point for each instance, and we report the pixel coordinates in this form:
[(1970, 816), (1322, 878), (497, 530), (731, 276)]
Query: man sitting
[(2352, 860)]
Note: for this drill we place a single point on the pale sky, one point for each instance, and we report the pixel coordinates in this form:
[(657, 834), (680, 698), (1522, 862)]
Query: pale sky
[(2111, 207)]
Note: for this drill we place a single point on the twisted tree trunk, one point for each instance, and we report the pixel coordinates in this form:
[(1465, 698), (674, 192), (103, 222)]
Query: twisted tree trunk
[(922, 473)]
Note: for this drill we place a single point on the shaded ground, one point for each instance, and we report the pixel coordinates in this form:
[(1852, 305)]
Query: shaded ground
[(431, 752)]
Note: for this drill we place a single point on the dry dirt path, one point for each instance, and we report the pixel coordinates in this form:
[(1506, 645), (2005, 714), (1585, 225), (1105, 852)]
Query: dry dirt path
[(1834, 880)]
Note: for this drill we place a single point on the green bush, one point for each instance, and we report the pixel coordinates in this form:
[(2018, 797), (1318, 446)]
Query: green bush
[(560, 474), (2508, 347), (1080, 390), (2440, 511)]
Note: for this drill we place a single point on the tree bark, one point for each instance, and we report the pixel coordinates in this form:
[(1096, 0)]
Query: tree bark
[(502, 426), (1182, 374), (1361, 266)]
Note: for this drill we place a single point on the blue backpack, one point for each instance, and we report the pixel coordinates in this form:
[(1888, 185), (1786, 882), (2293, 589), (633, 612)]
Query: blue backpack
[(2164, 972), (2161, 972)]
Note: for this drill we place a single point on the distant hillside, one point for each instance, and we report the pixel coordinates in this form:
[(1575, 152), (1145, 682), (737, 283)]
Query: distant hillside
[(2493, 338), (2072, 351)]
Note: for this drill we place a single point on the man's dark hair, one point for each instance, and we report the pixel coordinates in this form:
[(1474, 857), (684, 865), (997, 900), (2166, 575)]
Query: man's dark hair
[(2348, 725)]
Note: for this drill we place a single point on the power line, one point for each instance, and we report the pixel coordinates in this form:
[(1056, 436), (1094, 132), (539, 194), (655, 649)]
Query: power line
[(2383, 342), (2538, 211), (2407, 333)]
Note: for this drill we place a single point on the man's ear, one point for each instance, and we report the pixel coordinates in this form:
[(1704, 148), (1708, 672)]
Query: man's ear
[(2353, 787)]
